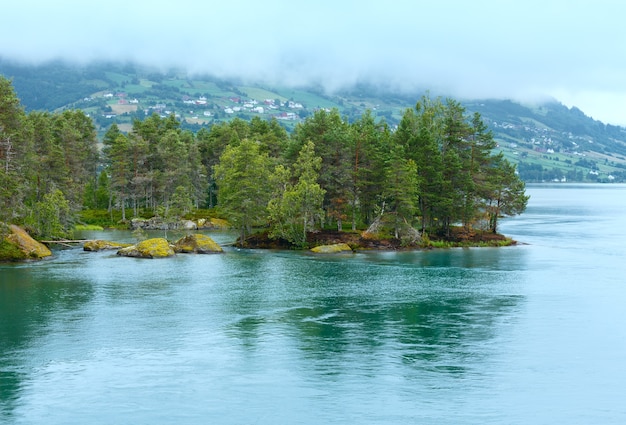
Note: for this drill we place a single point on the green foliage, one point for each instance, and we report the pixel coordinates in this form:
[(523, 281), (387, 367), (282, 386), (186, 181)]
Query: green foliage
[(242, 175), (332, 138), (102, 218), (10, 252), (88, 227), (47, 160), (436, 170), (442, 243), (180, 203), (155, 167), (401, 188), (524, 132), (51, 217), (295, 208), (61, 86), (199, 213), (505, 192), (97, 192), (16, 155)]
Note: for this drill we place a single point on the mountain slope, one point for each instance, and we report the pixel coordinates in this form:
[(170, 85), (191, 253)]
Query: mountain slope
[(548, 141)]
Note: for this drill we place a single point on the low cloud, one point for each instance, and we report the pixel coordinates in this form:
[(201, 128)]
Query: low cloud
[(480, 49)]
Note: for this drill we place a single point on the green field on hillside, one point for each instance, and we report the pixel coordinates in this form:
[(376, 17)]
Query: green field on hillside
[(549, 135)]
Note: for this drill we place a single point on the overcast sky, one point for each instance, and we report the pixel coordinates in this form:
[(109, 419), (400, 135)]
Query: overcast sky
[(571, 50)]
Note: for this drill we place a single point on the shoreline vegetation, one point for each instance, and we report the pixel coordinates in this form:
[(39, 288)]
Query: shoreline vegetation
[(324, 241), (320, 242), (362, 241), (357, 240), (19, 246), (434, 180)]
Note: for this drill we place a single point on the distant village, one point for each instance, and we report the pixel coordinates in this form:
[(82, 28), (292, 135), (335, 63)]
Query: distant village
[(551, 145), (565, 157), (199, 110)]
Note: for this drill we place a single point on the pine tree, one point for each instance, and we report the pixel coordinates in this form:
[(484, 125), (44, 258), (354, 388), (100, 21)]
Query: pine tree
[(16, 155), (370, 143), (400, 192), (243, 193), (505, 192), (332, 138), (121, 172), (295, 208)]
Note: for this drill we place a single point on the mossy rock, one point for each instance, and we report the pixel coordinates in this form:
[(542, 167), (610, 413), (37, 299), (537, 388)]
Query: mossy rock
[(99, 245), (197, 243), (17, 245), (332, 249), (150, 248)]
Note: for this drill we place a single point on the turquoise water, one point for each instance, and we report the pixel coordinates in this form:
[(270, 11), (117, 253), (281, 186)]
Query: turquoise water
[(528, 334)]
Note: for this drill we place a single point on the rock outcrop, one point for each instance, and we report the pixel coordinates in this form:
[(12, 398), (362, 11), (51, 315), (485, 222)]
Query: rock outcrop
[(150, 248), (332, 249), (17, 245), (198, 244), (157, 223), (99, 245)]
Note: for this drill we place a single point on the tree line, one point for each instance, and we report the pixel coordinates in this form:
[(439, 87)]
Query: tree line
[(46, 161), (436, 170)]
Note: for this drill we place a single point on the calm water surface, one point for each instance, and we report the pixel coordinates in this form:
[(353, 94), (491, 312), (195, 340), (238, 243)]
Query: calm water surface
[(532, 334)]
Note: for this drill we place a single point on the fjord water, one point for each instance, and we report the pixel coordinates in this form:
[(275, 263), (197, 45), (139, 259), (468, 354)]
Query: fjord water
[(533, 333)]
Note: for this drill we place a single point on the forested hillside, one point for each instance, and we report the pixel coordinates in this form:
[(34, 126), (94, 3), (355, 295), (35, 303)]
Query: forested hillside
[(437, 169), (548, 142)]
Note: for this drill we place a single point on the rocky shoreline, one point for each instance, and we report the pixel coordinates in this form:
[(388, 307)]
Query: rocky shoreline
[(20, 246), (158, 223)]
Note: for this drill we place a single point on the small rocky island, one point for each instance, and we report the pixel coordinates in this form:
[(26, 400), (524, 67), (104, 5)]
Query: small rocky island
[(365, 241)]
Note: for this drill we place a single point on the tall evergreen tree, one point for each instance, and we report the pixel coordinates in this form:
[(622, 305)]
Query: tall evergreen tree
[(121, 171), (272, 137), (424, 149), (370, 144), (16, 154), (400, 191), (332, 137), (504, 192), (455, 153), (481, 145), (295, 208), (211, 145), (243, 193), (75, 134), (53, 169)]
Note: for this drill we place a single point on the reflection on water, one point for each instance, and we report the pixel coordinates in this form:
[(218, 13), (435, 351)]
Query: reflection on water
[(443, 336), (27, 308), (419, 312)]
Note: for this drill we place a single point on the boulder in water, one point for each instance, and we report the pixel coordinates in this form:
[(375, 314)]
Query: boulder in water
[(150, 248), (99, 245), (332, 249), (197, 243)]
